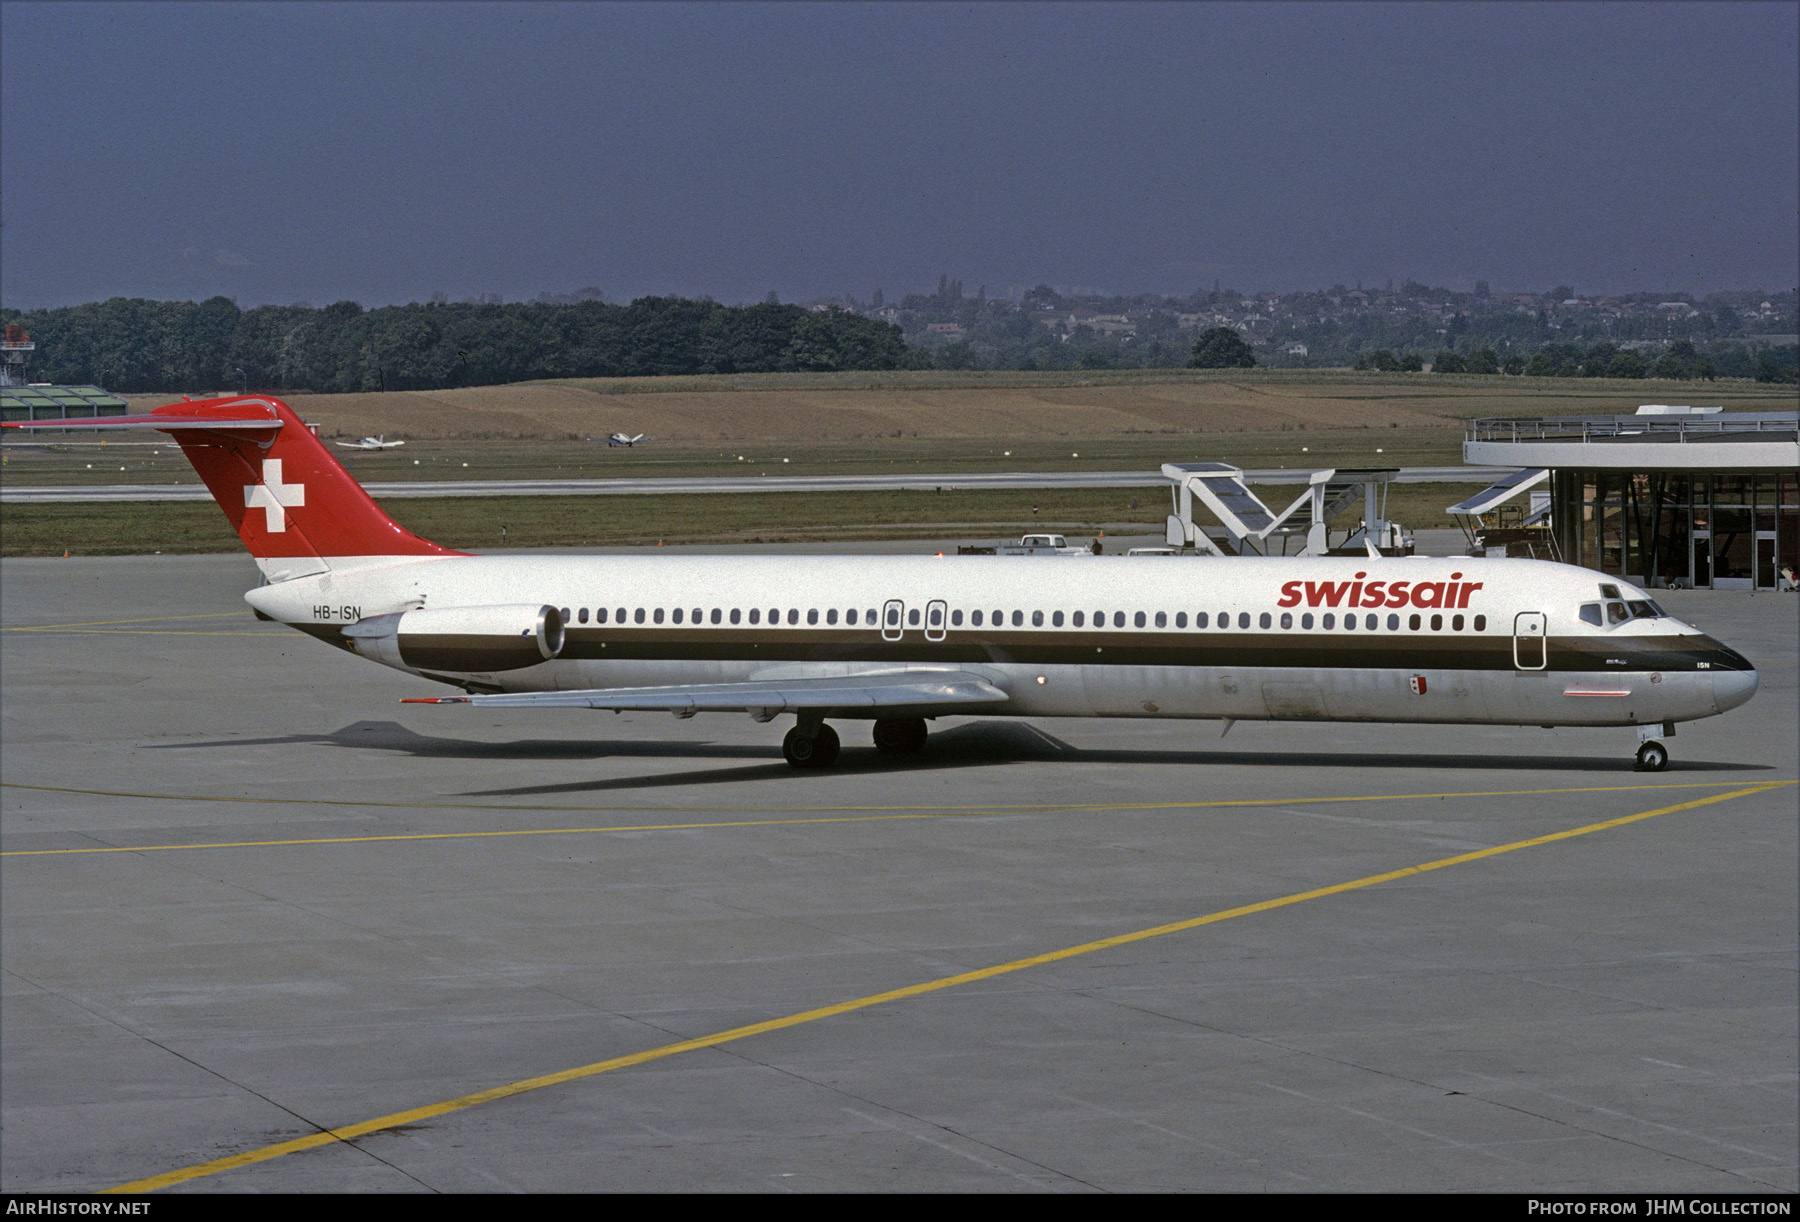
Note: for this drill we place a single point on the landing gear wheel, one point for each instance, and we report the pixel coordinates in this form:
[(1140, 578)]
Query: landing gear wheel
[(1652, 757), (816, 750), (900, 735)]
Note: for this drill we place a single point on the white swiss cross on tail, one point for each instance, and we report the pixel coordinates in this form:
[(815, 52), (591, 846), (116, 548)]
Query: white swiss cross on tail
[(273, 497)]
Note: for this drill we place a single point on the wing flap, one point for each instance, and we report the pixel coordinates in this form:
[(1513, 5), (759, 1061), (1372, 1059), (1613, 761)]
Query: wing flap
[(780, 696)]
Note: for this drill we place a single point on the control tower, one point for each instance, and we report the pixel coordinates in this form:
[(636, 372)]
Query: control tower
[(12, 355)]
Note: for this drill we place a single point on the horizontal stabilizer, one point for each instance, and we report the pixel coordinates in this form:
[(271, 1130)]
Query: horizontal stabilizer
[(164, 423), (896, 690)]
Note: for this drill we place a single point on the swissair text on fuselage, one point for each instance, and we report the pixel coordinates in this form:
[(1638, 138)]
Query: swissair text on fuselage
[(1428, 594)]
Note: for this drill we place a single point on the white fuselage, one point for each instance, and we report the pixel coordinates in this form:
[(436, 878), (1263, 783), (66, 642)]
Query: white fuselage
[(1432, 640)]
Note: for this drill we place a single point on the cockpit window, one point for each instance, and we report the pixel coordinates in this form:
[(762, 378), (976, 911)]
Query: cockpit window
[(1643, 609), (1616, 613), (1609, 591), (1590, 614)]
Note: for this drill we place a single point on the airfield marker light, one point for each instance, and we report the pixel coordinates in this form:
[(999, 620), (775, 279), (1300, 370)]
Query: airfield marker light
[(1042, 680)]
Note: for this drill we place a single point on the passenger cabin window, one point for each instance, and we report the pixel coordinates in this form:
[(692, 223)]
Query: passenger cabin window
[(1200, 619), (657, 616), (1456, 623), (1018, 619), (812, 615), (734, 615), (1264, 620), (638, 616), (599, 615), (975, 619), (1480, 623), (1287, 619), (676, 615), (1078, 619), (1243, 619), (581, 615), (756, 615), (1329, 622)]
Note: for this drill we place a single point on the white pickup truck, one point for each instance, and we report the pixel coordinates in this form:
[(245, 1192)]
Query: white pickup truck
[(1041, 545)]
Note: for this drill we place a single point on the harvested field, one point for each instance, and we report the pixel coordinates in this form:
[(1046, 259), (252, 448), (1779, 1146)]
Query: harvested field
[(926, 405), (592, 521)]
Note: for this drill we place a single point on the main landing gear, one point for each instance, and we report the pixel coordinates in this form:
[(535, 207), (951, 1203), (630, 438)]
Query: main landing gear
[(900, 735), (811, 747), (813, 744), (1652, 756)]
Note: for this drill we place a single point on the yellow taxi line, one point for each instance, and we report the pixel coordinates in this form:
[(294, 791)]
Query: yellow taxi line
[(348, 1133), (848, 814)]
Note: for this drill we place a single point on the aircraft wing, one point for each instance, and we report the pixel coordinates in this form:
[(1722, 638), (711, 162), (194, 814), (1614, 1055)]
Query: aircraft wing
[(763, 698)]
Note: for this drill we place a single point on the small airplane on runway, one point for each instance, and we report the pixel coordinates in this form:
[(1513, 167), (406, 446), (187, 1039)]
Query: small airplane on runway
[(371, 443), (899, 640), (621, 439)]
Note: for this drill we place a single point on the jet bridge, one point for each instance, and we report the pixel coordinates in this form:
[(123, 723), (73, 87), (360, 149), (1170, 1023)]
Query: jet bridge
[(1494, 521), (1250, 525)]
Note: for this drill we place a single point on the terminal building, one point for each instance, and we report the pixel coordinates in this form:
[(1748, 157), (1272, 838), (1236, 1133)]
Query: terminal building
[(1669, 498)]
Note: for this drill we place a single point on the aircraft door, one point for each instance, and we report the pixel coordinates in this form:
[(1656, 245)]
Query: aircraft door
[(893, 619), (1528, 640), (937, 617)]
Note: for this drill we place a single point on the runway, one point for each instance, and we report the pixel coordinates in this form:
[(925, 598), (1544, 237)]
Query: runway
[(780, 483), (266, 929)]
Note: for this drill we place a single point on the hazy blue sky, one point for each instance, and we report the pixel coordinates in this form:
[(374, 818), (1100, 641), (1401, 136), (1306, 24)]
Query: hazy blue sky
[(384, 152)]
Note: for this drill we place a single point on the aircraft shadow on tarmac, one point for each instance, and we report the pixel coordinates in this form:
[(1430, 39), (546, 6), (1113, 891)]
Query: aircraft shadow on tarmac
[(972, 744)]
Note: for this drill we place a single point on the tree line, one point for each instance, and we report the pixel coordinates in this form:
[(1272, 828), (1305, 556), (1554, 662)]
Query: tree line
[(1681, 361), (136, 346)]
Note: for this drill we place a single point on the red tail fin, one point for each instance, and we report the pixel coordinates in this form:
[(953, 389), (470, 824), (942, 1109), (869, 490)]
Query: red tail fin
[(285, 495), (282, 490)]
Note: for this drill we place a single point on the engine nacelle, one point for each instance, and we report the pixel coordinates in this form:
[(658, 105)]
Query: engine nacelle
[(464, 639)]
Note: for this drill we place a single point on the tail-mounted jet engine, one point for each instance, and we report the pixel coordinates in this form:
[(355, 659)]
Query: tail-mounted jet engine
[(465, 639)]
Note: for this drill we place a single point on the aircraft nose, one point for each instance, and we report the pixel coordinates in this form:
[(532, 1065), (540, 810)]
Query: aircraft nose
[(1732, 687)]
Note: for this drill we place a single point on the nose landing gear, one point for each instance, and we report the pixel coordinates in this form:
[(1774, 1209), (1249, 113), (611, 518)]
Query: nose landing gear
[(1652, 756)]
